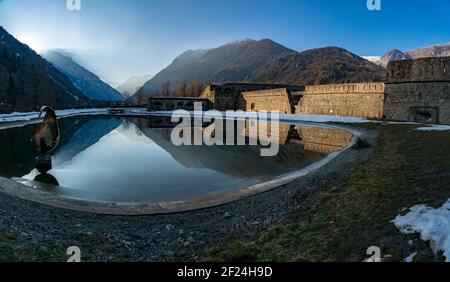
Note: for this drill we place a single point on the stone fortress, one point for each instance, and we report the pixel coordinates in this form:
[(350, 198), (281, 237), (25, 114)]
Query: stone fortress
[(418, 90), (415, 90)]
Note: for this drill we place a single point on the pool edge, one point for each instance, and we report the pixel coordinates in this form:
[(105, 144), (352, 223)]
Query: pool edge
[(22, 191)]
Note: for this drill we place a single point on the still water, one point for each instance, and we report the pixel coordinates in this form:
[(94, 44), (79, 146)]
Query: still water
[(132, 160)]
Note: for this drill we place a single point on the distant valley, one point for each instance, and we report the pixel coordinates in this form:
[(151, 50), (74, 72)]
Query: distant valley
[(133, 84), (87, 82)]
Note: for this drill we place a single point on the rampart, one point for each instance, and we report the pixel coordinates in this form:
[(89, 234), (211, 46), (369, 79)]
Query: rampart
[(418, 90), (353, 99), (266, 100)]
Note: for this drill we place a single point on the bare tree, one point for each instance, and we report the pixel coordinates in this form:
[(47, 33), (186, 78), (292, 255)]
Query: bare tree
[(141, 99), (127, 97), (165, 89), (195, 89), (182, 89)]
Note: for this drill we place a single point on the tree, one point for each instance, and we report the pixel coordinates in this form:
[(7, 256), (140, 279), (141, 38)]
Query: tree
[(141, 99), (195, 89), (182, 89), (127, 96), (165, 89)]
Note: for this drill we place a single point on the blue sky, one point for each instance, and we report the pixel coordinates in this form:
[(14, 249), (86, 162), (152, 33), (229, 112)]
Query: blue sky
[(119, 38)]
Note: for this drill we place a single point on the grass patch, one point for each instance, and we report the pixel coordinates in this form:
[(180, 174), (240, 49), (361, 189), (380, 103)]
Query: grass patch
[(11, 251), (410, 167)]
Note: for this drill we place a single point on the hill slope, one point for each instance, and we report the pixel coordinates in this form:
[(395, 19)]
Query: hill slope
[(318, 66), (27, 81), (265, 61), (235, 61), (440, 50), (87, 82)]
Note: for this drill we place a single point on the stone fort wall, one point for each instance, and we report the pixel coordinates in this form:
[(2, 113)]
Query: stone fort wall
[(266, 100), (228, 96), (418, 90), (353, 99)]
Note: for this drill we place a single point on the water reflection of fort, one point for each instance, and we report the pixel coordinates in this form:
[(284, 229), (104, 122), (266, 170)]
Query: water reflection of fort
[(323, 140), (315, 139), (239, 161), (300, 145)]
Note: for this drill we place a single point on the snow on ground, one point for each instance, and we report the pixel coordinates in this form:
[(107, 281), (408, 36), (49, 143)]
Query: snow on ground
[(434, 127), (60, 113), (432, 224), (411, 257), (324, 118), (249, 115), (288, 117)]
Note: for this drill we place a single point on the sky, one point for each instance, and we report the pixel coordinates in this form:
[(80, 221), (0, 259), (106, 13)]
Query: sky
[(120, 38)]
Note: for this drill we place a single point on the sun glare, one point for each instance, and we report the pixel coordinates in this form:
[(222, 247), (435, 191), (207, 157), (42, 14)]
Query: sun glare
[(32, 42)]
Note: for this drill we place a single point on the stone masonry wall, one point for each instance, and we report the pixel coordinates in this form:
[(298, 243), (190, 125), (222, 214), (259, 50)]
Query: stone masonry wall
[(228, 96), (266, 100), (353, 99), (418, 90)]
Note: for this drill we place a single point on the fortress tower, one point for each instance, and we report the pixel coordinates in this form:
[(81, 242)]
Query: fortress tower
[(418, 90)]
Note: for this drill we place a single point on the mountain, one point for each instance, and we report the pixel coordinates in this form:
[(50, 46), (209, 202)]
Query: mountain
[(442, 50), (133, 84), (87, 82), (27, 81), (235, 61), (318, 66), (393, 55)]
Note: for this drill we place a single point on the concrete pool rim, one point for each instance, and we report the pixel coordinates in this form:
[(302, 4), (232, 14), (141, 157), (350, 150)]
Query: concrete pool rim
[(25, 192)]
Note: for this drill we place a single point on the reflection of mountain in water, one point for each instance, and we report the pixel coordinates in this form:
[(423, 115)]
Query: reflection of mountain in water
[(299, 146), (77, 133), (18, 153), (88, 131), (240, 161)]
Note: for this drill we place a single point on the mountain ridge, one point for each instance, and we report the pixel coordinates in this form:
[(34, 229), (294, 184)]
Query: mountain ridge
[(227, 63), (248, 61), (28, 81), (86, 81)]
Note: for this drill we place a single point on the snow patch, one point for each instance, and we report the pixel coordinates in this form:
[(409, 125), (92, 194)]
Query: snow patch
[(14, 117), (324, 118), (435, 127), (283, 117), (411, 257), (373, 59), (432, 224)]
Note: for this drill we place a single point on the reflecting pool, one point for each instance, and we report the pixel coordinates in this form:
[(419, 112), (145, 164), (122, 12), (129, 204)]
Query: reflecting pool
[(133, 160)]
